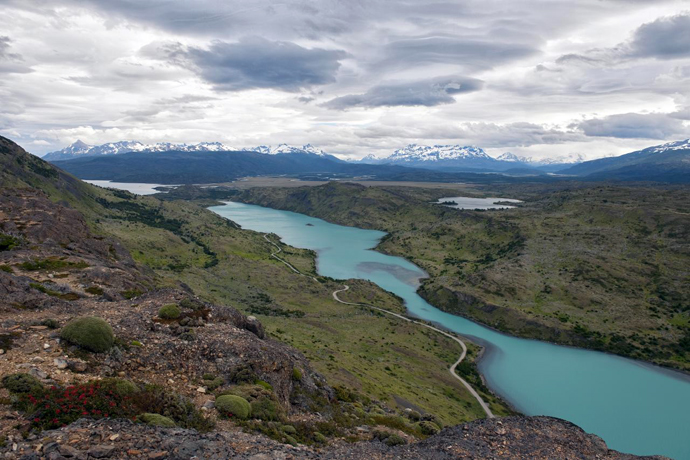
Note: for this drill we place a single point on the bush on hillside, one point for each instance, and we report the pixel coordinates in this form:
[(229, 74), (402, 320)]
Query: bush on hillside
[(170, 311), (21, 383), (157, 420), (90, 333), (233, 406)]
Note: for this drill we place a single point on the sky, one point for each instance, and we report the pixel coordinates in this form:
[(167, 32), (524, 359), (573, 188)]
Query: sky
[(533, 77)]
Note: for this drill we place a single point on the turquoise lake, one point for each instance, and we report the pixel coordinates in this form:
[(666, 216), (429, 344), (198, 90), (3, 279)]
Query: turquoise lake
[(635, 407)]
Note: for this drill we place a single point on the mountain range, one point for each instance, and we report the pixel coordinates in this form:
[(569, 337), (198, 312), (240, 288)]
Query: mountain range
[(184, 163), (80, 149), (469, 158)]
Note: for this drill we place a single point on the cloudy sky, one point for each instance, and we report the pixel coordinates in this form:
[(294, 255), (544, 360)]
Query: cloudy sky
[(533, 77)]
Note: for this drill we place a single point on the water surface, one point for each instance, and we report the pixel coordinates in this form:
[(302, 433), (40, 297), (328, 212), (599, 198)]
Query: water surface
[(464, 202), (137, 189), (636, 408)]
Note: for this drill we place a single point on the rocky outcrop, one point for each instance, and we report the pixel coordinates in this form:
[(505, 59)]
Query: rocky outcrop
[(509, 438)]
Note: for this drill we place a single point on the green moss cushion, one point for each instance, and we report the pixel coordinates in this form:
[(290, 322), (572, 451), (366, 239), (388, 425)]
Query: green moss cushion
[(90, 333)]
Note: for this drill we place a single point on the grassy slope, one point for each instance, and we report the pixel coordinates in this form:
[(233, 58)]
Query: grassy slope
[(383, 358), (592, 266)]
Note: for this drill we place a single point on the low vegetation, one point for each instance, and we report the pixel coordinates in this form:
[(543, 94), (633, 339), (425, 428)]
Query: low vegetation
[(602, 267), (90, 333)]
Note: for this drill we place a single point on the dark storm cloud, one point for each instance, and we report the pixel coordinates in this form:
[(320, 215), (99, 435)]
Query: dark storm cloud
[(665, 38), (634, 126), (427, 93), (256, 63)]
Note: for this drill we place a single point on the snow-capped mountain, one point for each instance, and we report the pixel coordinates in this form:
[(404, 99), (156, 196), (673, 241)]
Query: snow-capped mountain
[(570, 159), (81, 149), (285, 148), (677, 145), (415, 153), (458, 157)]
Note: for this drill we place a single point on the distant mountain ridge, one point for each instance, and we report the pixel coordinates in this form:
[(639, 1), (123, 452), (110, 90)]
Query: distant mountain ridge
[(80, 149), (467, 157), (668, 162)]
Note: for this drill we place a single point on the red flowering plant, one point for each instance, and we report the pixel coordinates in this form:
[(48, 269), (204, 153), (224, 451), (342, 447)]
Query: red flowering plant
[(55, 407)]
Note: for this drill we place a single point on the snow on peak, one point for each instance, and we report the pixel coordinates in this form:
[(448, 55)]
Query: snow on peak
[(676, 145), (414, 152), (572, 158), (285, 148), (511, 157)]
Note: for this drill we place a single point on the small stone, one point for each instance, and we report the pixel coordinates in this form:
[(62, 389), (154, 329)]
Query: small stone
[(77, 366), (133, 452), (60, 363), (114, 437), (208, 404), (38, 373), (201, 390), (69, 451), (101, 451), (2, 352), (156, 455)]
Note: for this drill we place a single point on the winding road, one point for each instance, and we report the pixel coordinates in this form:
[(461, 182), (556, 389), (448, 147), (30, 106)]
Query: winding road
[(469, 387)]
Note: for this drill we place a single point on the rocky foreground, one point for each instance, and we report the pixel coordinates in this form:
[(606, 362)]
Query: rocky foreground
[(150, 386), (508, 438)]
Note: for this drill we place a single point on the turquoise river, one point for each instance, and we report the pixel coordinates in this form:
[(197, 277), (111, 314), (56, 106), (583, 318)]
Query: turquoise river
[(635, 407)]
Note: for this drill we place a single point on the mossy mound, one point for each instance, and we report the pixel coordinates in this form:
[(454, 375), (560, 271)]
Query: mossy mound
[(170, 311), (121, 387), (90, 333), (157, 420), (232, 405), (428, 428), (21, 383)]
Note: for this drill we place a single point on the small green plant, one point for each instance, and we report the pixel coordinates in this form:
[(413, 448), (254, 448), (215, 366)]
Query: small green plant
[(233, 406), (6, 268), (157, 420), (428, 428), (50, 323), (131, 293), (296, 374), (95, 290), (136, 343), (265, 385), (170, 311), (90, 333), (120, 387), (21, 383), (8, 242), (214, 383)]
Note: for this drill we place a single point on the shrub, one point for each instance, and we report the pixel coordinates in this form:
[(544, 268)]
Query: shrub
[(8, 242), (6, 268), (21, 383), (231, 405), (131, 293), (95, 290), (190, 304), (50, 323), (395, 440), (433, 418), (214, 384), (157, 420), (120, 387), (90, 333), (288, 429), (318, 437), (428, 428), (290, 440), (156, 400), (170, 311), (56, 407), (265, 385), (264, 408), (296, 374)]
